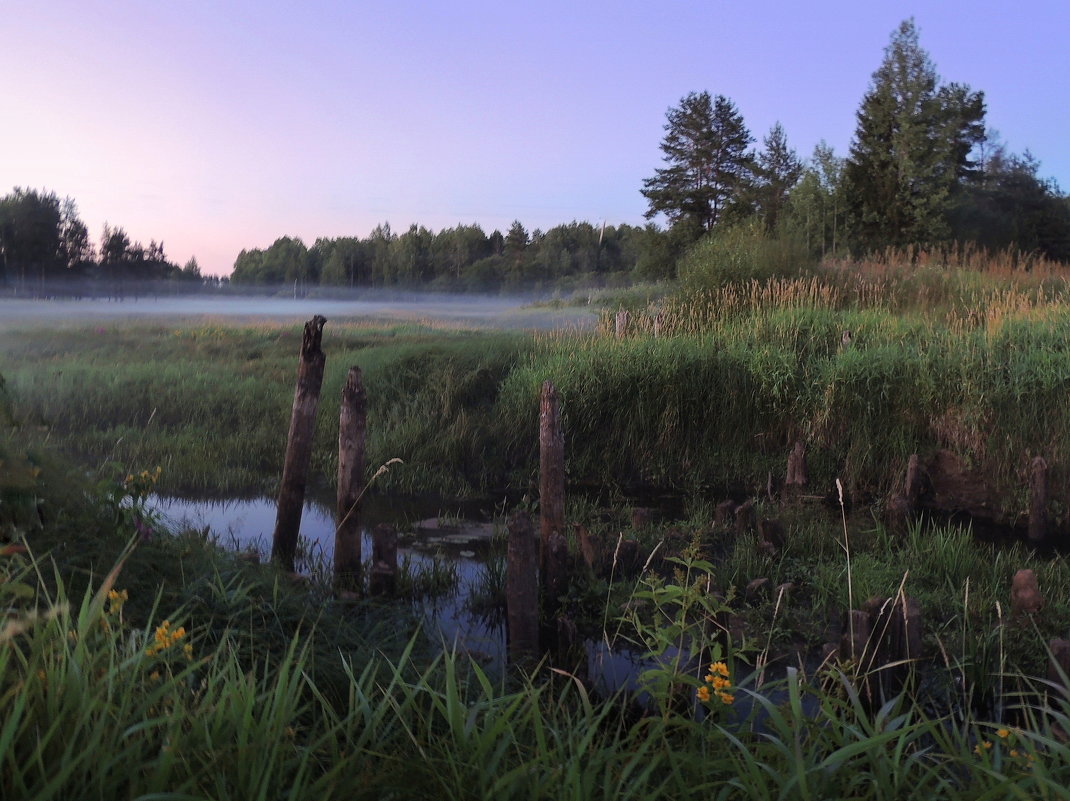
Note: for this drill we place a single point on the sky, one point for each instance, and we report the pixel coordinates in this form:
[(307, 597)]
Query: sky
[(214, 126)]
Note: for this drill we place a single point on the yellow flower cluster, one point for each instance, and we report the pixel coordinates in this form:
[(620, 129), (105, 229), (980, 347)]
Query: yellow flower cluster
[(116, 599), (145, 478), (165, 638), (1023, 759), (717, 683)]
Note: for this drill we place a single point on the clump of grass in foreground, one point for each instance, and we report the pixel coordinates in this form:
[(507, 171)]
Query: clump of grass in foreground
[(95, 707)]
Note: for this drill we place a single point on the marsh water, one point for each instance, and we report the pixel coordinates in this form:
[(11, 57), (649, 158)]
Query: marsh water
[(430, 537)]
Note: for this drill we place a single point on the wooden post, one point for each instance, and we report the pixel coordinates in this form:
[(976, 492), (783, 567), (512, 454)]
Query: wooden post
[(1038, 501), (622, 323), (384, 576), (551, 469), (522, 590), (352, 433), (797, 475), (746, 519), (912, 484), (1059, 663), (299, 445), (659, 320)]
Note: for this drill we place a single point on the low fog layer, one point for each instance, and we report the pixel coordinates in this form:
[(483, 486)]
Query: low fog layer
[(462, 310)]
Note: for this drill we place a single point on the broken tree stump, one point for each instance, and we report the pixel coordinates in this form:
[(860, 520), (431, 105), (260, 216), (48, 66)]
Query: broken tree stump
[(384, 573), (797, 476), (352, 433), (299, 445), (855, 640), (912, 483), (771, 534), (522, 590), (746, 518), (1025, 593), (724, 514), (1038, 501), (1059, 664)]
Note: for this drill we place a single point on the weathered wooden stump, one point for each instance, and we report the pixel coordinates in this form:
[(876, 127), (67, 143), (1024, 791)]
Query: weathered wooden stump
[(746, 518), (659, 320), (628, 558), (299, 445), (798, 476), (522, 590), (1038, 501), (621, 323), (352, 433), (855, 639), (642, 517), (771, 534), (590, 549), (1025, 593), (913, 483), (901, 509), (1059, 663), (384, 573), (725, 514)]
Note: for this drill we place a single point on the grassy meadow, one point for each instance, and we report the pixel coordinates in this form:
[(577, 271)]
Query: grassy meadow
[(276, 688)]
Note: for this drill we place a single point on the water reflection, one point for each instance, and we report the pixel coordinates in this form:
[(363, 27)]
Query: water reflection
[(248, 523)]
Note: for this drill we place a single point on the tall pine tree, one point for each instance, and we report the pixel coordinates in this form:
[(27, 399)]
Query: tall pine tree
[(911, 149), (708, 164)]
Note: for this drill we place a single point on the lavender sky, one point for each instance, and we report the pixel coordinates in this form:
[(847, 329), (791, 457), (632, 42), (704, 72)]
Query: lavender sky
[(217, 126)]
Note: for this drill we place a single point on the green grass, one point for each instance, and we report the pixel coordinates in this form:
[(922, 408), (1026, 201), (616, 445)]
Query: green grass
[(286, 692)]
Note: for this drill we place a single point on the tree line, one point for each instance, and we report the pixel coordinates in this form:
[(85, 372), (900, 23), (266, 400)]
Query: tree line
[(463, 257), (42, 239), (923, 170)]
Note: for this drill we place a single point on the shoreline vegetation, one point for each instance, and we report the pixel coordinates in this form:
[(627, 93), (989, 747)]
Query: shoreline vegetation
[(967, 357)]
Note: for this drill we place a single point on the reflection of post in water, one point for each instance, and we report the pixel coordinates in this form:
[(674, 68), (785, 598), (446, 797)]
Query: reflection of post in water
[(299, 444), (553, 551), (352, 433)]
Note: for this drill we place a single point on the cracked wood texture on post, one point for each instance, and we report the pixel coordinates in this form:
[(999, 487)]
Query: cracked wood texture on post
[(299, 445), (352, 436)]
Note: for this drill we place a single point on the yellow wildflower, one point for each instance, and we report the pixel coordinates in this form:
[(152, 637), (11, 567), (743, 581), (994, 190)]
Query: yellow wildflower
[(726, 698), (1003, 734), (719, 668), (703, 693)]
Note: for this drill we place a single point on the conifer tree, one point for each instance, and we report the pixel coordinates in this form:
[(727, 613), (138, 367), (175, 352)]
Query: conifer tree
[(778, 170), (911, 149), (708, 164)]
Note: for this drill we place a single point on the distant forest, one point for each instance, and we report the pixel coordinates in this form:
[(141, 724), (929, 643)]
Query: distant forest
[(923, 171)]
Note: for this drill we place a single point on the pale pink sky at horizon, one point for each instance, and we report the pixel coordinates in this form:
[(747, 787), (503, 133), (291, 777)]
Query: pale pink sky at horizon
[(220, 126)]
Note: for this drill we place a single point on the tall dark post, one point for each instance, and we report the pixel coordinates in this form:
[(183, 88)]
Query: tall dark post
[(551, 511), (522, 590), (551, 469), (1038, 500), (299, 445), (352, 435)]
